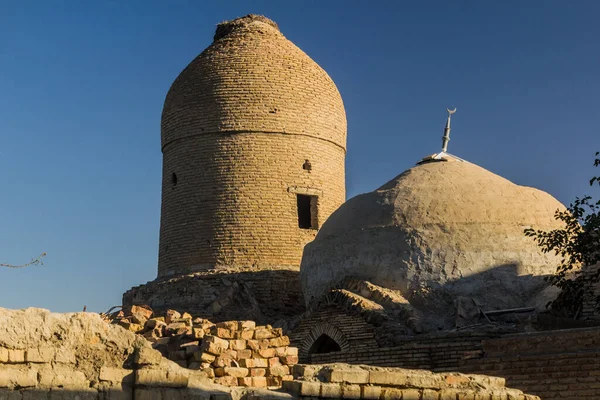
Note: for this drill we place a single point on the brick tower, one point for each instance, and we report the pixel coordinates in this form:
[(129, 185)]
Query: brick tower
[(253, 142)]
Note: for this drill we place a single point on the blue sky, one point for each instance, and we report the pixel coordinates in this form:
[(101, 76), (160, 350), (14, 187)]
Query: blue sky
[(82, 86)]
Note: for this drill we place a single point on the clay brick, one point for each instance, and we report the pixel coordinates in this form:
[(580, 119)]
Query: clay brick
[(371, 392), (150, 377), (39, 355), (258, 372), (274, 362), (247, 363), (197, 333), (331, 391), (247, 381), (260, 362), (351, 392), (229, 325), (204, 357), (116, 375), (237, 344), (246, 325), (279, 351), (245, 335), (450, 394), (265, 353), (221, 333), (16, 356), (290, 360), (429, 394), (3, 355), (396, 378), (279, 370), (243, 354), (214, 345), (253, 344), (348, 375), (291, 351), (304, 389), (238, 372), (227, 380), (279, 341), (411, 394), (455, 380), (274, 380), (304, 371), (259, 381), (263, 334), (391, 394), (224, 362)]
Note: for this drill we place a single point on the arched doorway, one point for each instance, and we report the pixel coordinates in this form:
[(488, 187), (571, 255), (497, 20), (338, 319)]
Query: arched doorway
[(324, 344)]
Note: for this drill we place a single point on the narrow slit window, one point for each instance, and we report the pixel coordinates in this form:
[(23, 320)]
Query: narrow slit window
[(307, 211)]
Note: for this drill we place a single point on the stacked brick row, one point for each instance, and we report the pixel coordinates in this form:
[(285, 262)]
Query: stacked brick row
[(233, 353), (337, 381)]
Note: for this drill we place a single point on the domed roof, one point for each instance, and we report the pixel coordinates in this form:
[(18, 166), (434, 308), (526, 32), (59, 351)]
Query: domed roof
[(437, 223), (252, 79), (448, 193)]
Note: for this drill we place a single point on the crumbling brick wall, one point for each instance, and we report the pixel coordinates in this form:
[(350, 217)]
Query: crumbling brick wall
[(266, 297)]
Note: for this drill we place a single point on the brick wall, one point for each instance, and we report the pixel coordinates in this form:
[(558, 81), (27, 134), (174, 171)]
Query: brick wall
[(553, 364), (238, 125), (264, 296), (235, 204), (444, 353), (349, 331)]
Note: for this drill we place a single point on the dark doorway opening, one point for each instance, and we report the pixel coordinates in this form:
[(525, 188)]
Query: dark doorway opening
[(324, 344), (307, 211)]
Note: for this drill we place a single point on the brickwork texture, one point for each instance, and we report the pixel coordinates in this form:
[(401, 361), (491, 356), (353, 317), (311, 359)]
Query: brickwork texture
[(263, 296), (247, 126), (561, 364)]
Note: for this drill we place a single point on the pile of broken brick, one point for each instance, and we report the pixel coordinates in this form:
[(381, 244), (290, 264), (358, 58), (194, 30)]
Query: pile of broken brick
[(233, 353)]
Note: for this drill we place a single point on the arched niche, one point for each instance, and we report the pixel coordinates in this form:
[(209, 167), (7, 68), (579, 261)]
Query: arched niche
[(323, 338)]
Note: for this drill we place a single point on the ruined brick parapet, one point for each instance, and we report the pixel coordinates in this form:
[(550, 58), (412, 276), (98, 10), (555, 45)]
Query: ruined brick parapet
[(265, 296), (364, 382)]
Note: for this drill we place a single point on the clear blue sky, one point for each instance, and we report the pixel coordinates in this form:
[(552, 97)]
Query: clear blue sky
[(82, 85)]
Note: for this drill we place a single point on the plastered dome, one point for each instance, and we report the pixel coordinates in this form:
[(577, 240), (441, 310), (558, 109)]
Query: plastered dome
[(443, 226), (254, 141)]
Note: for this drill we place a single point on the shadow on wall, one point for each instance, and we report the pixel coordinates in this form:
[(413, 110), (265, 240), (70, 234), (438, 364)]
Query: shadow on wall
[(114, 393), (437, 310), (267, 297), (452, 304)]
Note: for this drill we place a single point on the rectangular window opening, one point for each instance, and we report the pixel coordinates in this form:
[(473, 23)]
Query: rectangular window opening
[(307, 211)]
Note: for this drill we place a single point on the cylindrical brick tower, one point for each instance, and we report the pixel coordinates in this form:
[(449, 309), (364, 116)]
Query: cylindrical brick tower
[(253, 142)]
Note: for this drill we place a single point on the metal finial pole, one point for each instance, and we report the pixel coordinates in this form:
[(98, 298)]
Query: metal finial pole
[(446, 137)]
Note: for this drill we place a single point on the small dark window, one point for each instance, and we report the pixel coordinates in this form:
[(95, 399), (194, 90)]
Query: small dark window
[(307, 211), (307, 165), (324, 344), (174, 179)]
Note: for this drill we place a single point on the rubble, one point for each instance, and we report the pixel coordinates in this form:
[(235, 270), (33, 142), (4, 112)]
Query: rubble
[(232, 353)]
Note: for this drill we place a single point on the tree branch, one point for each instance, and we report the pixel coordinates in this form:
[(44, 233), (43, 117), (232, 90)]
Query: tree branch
[(35, 261)]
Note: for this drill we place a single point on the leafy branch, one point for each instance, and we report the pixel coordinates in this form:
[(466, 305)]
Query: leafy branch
[(578, 246)]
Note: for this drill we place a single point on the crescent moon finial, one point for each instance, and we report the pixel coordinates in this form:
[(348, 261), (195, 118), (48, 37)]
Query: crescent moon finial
[(451, 111)]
